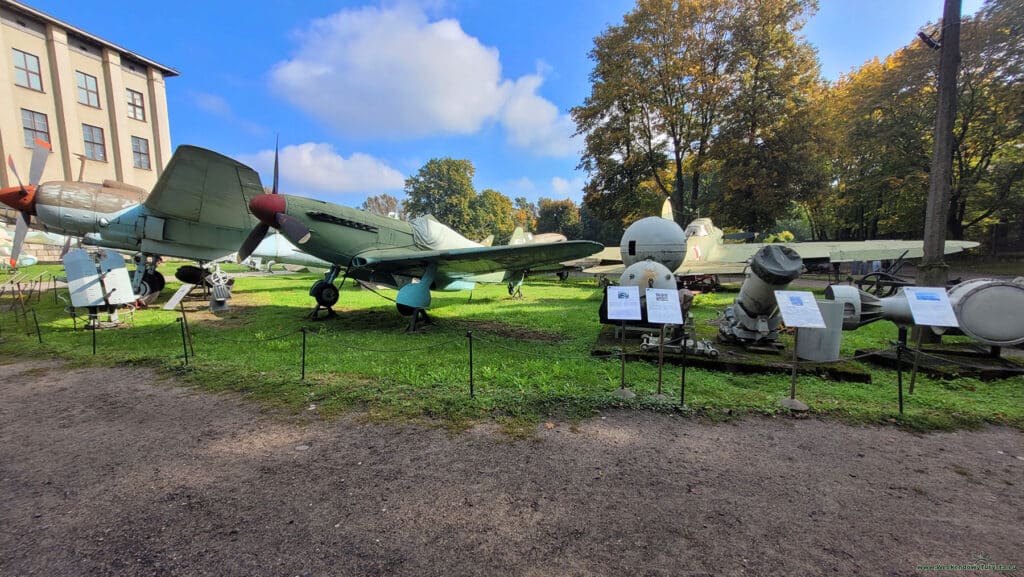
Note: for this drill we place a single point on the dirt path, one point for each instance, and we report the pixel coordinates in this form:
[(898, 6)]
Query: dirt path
[(109, 472)]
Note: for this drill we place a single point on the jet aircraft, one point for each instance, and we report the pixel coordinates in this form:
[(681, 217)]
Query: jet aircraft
[(415, 257), (197, 210), (707, 253)]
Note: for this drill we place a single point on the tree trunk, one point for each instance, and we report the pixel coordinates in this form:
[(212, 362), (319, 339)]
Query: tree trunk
[(933, 270)]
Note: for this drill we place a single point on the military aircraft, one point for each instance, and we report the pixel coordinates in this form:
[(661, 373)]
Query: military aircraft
[(415, 257), (197, 211), (707, 253)]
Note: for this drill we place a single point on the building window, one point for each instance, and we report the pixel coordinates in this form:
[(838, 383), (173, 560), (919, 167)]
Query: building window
[(35, 126), (136, 106), (88, 93), (140, 152), (26, 70), (93, 136)]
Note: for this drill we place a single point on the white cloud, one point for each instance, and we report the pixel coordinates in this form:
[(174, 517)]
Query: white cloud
[(217, 106), (392, 72), (533, 122), (316, 167), (569, 188)]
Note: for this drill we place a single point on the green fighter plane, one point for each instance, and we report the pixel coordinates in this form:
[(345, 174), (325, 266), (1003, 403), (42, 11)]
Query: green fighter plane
[(415, 257)]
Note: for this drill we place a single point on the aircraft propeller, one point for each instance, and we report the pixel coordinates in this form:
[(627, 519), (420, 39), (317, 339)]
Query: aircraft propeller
[(23, 197), (270, 210)]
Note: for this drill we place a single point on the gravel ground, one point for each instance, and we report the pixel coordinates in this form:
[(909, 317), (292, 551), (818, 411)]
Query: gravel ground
[(116, 472)]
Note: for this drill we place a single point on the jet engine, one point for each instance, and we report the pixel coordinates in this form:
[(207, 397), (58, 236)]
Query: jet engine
[(990, 311), (754, 316)]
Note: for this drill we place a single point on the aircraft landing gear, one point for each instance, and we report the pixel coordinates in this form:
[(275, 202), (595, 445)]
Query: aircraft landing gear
[(146, 281), (325, 293), (515, 286), (417, 318)]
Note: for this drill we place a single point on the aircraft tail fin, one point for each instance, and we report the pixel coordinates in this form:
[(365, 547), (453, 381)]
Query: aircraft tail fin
[(666, 210)]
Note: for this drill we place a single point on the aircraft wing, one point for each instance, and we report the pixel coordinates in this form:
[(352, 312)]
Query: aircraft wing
[(202, 186), (465, 262), (871, 249), (688, 268)]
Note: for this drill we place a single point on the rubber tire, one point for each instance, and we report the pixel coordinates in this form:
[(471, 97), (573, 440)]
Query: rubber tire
[(154, 282), (326, 294)]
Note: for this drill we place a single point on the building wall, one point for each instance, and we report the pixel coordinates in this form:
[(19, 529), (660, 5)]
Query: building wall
[(62, 52)]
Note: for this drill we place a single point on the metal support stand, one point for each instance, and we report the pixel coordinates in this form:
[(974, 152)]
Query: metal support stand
[(184, 343), (303, 378), (623, 392), (901, 343), (35, 319), (682, 377), (188, 331), (661, 362), (917, 360), (94, 331), (469, 335), (792, 403)]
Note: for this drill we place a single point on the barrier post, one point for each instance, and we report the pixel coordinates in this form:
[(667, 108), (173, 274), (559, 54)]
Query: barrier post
[(35, 319), (303, 354), (184, 342), (469, 335)]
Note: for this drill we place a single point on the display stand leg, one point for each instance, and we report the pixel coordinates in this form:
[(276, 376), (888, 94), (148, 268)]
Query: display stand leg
[(792, 403), (623, 392), (917, 360), (661, 362), (901, 342)]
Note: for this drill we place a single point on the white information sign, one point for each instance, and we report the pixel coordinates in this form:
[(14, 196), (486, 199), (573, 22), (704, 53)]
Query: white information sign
[(663, 307), (624, 303), (799, 309), (930, 306), (83, 279), (117, 285), (172, 302)]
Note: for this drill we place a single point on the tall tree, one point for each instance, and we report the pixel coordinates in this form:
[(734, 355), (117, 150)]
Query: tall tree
[(561, 216), (524, 214), (658, 85), (491, 213), (382, 204), (767, 139), (934, 271), (443, 187)]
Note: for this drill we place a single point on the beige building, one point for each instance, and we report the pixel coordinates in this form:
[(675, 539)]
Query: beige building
[(101, 107)]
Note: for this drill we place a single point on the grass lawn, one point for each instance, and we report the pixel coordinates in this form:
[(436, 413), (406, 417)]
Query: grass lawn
[(531, 359)]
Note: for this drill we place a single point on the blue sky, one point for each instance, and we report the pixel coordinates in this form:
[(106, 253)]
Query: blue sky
[(363, 94)]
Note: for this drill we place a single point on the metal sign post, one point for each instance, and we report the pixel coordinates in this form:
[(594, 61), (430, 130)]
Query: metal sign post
[(623, 305), (663, 307), (799, 309)]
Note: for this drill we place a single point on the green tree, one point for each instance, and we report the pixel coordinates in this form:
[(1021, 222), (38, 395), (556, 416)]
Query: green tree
[(766, 140), (524, 214), (491, 213), (561, 216), (443, 187), (382, 204), (658, 85)]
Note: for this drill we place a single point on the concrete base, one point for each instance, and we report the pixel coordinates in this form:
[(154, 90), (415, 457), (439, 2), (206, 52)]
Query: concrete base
[(793, 405), (624, 393), (659, 397)]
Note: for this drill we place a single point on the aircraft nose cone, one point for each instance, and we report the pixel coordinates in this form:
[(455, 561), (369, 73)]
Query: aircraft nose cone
[(266, 206), (19, 199)]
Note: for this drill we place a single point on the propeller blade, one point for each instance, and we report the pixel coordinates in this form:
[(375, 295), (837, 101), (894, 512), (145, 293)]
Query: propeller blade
[(40, 153), (252, 241), (292, 228), (276, 141), (20, 230), (67, 247), (14, 171)]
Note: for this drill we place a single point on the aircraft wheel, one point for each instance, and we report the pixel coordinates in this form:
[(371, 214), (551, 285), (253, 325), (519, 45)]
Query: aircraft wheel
[(152, 283), (188, 274), (326, 294)]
